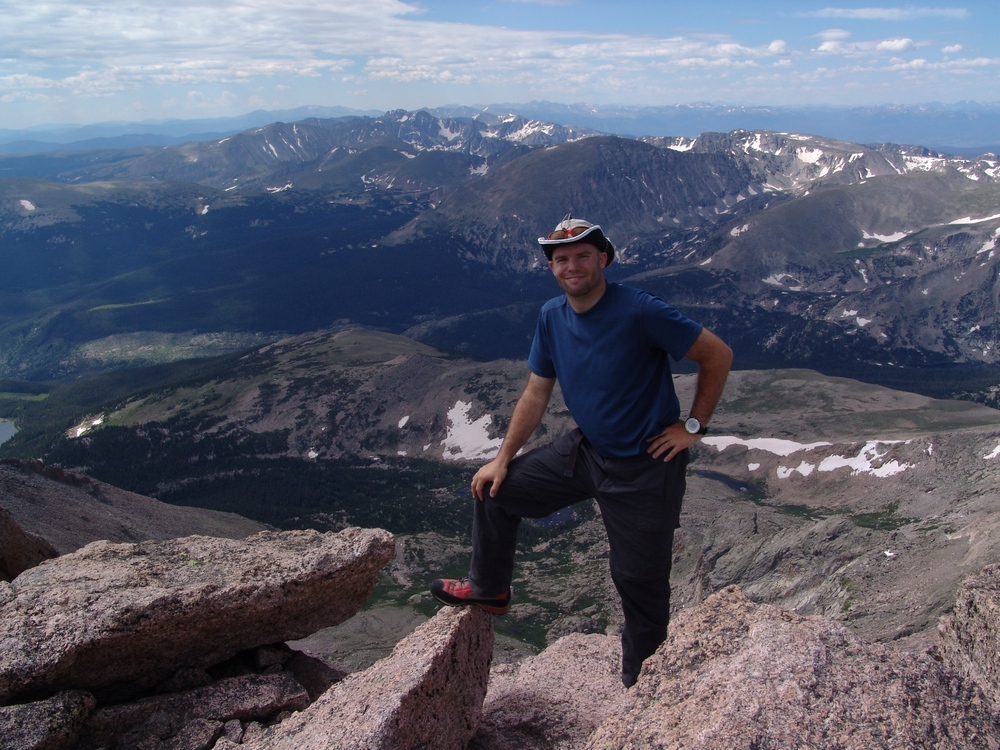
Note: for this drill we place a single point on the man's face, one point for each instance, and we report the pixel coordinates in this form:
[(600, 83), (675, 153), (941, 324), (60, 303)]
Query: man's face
[(578, 268)]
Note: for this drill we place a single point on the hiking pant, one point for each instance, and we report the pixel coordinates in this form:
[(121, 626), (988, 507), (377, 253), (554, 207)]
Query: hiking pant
[(640, 501)]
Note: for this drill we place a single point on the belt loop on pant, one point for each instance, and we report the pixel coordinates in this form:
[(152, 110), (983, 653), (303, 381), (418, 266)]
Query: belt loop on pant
[(574, 450)]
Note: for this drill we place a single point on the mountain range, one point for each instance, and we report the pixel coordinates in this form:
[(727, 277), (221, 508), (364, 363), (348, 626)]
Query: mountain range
[(962, 129), (800, 250)]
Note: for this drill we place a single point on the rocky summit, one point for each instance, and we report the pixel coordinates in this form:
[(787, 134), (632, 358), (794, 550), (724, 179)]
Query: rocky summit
[(118, 619), (180, 644), (736, 674)]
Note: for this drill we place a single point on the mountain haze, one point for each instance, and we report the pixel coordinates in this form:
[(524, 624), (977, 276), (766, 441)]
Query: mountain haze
[(963, 129)]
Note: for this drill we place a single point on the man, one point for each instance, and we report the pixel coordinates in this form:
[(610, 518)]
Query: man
[(608, 346)]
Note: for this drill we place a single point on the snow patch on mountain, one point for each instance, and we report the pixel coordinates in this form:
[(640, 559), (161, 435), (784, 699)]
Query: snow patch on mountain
[(894, 237), (970, 220), (468, 438), (860, 321), (990, 244), (87, 424), (776, 446), (447, 133), (784, 280), (870, 459), (530, 128), (805, 469), (924, 163), (809, 155)]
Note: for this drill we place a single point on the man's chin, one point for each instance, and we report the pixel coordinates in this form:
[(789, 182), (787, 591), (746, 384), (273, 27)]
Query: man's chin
[(577, 290)]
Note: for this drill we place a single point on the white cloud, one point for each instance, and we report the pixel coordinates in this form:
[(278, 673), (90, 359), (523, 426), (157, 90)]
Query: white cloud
[(105, 56), (961, 65), (835, 43), (918, 64), (894, 45), (128, 46), (832, 47), (888, 14), (834, 34)]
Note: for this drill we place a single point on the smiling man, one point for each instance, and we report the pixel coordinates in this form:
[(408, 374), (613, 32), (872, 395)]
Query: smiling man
[(609, 346)]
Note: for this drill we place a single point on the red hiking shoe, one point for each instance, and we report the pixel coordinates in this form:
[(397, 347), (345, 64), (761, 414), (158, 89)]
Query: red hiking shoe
[(457, 592)]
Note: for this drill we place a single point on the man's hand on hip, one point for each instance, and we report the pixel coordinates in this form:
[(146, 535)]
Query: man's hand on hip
[(671, 441)]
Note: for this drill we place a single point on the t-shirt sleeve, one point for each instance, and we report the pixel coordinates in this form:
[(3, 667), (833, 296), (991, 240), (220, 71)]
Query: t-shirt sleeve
[(540, 357), (668, 328)]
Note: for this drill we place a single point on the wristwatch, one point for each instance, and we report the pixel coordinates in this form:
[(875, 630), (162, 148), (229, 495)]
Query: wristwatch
[(693, 427)]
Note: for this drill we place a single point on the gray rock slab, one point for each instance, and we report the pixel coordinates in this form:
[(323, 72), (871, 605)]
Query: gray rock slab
[(428, 693), (247, 698), (555, 700), (970, 636), (51, 724), (20, 549), (116, 618), (315, 675), (738, 675), (199, 734)]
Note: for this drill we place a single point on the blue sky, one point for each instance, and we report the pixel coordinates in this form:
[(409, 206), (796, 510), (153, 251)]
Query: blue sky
[(88, 61)]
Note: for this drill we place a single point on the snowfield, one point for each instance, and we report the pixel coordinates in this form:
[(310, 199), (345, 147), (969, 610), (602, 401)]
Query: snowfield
[(468, 439), (870, 459)]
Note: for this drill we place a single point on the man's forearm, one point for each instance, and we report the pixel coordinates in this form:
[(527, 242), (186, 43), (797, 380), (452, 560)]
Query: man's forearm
[(708, 391), (714, 359), (527, 416)]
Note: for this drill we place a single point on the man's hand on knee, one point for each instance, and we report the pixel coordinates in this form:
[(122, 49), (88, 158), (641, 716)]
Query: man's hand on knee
[(493, 474)]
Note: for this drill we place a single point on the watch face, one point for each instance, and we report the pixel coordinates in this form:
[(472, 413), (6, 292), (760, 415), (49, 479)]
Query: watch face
[(692, 425)]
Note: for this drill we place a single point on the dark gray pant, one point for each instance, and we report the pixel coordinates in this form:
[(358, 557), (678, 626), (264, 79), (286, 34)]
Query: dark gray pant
[(640, 501)]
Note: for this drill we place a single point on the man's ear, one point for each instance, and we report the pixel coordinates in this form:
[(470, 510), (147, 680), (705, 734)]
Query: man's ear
[(604, 259)]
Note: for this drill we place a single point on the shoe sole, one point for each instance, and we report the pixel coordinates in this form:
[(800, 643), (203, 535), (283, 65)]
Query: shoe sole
[(491, 608)]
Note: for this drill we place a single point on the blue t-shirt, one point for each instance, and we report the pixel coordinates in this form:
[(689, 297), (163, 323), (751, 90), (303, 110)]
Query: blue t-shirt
[(612, 364)]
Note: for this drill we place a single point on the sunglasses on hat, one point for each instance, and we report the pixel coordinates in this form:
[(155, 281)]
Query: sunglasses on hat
[(565, 234)]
